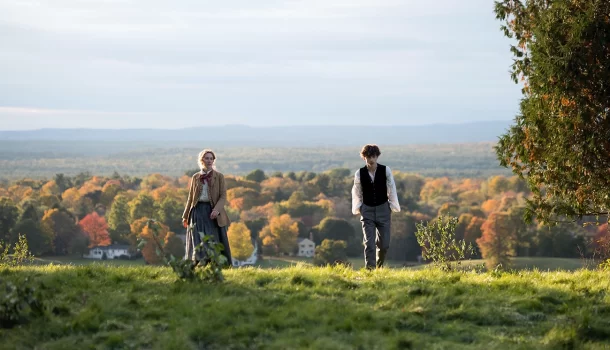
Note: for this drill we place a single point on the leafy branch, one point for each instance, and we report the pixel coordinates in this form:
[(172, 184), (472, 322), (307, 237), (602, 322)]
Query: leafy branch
[(439, 244), (208, 269), (21, 253)]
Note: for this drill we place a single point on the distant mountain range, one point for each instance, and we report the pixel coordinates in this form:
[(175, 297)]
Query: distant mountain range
[(239, 135)]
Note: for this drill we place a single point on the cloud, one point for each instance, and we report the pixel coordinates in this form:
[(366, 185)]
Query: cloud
[(242, 59)]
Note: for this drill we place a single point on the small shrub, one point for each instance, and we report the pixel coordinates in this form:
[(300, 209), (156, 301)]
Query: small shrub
[(331, 252), (438, 243), (21, 253), (209, 269)]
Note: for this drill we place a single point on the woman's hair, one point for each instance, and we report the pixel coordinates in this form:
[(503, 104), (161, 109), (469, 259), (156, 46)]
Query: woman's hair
[(202, 154), (370, 150)]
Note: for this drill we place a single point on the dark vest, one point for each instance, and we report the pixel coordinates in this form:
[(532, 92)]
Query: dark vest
[(374, 193)]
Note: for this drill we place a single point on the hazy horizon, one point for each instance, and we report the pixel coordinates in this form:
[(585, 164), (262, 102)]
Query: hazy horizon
[(161, 65), (160, 128)]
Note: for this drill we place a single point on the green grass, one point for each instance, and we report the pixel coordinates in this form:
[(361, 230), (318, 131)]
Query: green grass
[(104, 307), (535, 263), (548, 263), (71, 260), (521, 263)]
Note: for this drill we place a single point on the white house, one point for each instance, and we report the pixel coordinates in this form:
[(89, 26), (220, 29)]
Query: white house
[(307, 247), (108, 252), (250, 261)]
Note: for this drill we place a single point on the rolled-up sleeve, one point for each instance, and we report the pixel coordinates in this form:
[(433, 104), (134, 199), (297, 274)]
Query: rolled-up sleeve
[(356, 194), (392, 195)]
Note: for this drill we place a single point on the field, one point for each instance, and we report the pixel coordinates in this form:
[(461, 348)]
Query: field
[(38, 159), (139, 307)]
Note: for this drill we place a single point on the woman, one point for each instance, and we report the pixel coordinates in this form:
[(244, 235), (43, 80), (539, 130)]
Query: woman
[(205, 207)]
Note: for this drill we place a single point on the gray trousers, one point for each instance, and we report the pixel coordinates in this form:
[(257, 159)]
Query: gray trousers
[(376, 223)]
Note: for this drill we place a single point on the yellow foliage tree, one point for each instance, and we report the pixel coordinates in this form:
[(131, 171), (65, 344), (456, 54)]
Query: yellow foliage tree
[(497, 185), (471, 198), (281, 234), (137, 226), (17, 193), (109, 192), (50, 189), (435, 188), (277, 183), (468, 185), (154, 181), (70, 197), (90, 187), (166, 191), (240, 241)]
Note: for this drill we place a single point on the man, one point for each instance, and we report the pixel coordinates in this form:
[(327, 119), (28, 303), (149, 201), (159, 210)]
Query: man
[(374, 198)]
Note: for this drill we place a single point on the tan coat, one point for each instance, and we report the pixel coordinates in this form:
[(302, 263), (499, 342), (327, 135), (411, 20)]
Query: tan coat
[(217, 193)]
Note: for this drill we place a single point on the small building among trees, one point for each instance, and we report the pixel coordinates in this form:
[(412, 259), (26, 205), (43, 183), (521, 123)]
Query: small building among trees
[(307, 248), (250, 261), (114, 251)]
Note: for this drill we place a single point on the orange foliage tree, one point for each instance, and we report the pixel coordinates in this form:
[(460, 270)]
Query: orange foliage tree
[(242, 198), (490, 205), (468, 185), (602, 242), (96, 228), (167, 191), (497, 244), (149, 250), (260, 212)]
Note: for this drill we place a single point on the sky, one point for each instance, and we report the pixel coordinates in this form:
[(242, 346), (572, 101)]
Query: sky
[(182, 63)]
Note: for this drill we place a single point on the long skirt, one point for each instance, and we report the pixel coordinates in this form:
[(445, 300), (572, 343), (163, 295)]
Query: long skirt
[(200, 216)]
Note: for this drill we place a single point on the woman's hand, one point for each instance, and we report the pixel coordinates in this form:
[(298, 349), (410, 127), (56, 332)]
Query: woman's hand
[(214, 214), (184, 223)]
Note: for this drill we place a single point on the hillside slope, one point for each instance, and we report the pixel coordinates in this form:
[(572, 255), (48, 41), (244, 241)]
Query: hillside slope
[(322, 308)]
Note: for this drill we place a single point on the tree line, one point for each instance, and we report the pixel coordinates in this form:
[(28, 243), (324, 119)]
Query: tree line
[(70, 214)]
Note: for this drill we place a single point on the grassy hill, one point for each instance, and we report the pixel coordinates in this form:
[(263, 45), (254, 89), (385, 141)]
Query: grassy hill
[(142, 307)]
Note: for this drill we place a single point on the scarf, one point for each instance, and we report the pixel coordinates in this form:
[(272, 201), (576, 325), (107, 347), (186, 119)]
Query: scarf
[(206, 178)]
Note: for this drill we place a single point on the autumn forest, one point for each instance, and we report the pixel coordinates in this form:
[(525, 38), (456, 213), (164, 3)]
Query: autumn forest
[(67, 215)]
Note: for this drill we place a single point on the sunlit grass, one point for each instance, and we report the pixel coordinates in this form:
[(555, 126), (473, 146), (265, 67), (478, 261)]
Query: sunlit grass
[(99, 306)]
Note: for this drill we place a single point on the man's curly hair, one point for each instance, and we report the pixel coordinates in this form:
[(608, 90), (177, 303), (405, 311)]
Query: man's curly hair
[(370, 150)]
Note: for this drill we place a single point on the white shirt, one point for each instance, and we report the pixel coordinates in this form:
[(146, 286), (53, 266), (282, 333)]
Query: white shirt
[(390, 184), (204, 197)]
